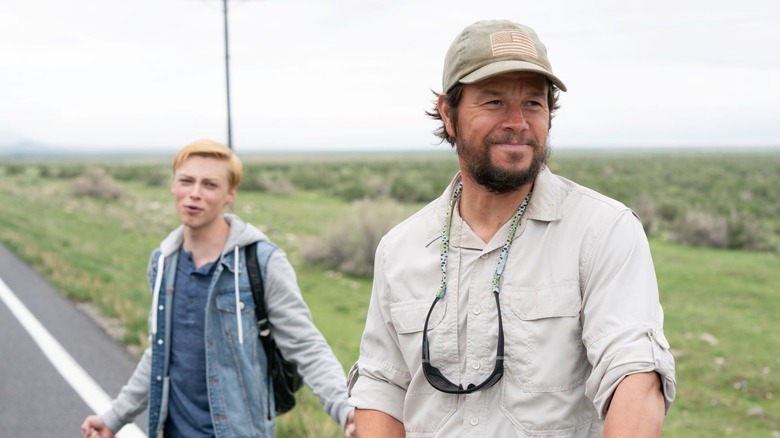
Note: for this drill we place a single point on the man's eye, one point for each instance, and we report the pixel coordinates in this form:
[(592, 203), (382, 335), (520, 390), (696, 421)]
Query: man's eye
[(534, 105)]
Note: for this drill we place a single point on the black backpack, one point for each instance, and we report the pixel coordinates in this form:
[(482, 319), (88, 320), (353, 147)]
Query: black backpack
[(284, 374)]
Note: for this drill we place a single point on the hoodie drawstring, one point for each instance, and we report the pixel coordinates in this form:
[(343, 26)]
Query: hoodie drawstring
[(156, 294), (238, 300)]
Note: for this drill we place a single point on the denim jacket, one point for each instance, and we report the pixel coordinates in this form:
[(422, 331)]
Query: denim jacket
[(240, 394)]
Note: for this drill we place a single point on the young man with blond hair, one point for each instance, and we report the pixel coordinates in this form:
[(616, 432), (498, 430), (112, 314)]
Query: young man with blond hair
[(205, 372)]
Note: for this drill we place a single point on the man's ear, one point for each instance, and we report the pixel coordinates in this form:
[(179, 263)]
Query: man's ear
[(445, 110)]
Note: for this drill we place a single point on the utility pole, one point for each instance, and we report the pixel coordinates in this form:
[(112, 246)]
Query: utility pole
[(227, 77)]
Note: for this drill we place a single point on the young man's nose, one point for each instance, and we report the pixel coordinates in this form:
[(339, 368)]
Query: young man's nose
[(195, 191)]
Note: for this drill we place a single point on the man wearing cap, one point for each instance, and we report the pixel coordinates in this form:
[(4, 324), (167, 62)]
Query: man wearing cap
[(518, 303)]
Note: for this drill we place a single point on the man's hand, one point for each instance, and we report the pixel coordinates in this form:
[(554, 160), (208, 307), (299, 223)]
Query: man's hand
[(94, 427)]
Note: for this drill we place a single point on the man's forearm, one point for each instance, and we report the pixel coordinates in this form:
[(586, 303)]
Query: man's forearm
[(637, 409), (371, 423)]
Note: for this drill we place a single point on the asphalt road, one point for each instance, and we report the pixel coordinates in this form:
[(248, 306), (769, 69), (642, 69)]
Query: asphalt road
[(37, 397)]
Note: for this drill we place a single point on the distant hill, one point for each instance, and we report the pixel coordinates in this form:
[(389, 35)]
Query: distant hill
[(26, 148), (15, 145)]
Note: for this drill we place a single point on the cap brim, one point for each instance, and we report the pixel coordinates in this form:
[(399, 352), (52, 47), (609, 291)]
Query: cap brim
[(499, 67)]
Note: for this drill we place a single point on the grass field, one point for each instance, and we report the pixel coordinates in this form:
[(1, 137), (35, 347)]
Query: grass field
[(721, 304)]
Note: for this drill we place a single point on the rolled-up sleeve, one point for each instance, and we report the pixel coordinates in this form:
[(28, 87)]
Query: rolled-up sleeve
[(622, 318), (380, 377)]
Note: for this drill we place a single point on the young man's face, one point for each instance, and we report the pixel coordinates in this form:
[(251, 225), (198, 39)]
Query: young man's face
[(201, 190), (501, 134)]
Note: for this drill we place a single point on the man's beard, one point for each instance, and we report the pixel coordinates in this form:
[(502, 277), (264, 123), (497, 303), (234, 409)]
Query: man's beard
[(498, 180)]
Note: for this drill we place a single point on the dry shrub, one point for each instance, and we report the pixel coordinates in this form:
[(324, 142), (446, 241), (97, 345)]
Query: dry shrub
[(702, 229), (349, 245), (646, 210), (737, 231), (96, 183), (748, 233), (262, 183), (14, 169), (281, 187), (669, 211)]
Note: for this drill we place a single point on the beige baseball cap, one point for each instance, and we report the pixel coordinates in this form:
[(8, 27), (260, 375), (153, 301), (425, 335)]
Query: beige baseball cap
[(491, 47)]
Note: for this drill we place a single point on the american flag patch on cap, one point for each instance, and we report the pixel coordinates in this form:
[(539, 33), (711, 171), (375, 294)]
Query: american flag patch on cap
[(512, 41)]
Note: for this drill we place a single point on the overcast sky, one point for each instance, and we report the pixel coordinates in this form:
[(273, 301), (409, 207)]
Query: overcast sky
[(358, 74)]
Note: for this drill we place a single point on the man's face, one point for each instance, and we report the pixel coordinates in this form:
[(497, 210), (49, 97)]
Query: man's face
[(502, 128), (201, 190)]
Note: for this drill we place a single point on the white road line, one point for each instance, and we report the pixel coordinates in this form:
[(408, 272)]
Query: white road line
[(71, 371)]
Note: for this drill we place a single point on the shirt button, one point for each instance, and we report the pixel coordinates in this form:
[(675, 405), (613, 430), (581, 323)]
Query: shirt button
[(159, 378), (475, 365), (162, 307), (241, 305), (474, 421), (477, 310), (159, 342)]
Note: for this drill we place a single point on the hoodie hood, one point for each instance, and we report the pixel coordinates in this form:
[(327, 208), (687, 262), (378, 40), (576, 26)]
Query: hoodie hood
[(241, 234)]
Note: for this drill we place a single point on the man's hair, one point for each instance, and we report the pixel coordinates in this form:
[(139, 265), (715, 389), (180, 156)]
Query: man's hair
[(212, 149), (453, 97)]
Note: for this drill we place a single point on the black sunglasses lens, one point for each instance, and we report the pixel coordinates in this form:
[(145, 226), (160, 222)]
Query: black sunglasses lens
[(441, 383), (437, 379)]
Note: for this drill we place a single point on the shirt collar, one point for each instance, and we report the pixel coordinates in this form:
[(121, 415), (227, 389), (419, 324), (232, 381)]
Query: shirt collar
[(545, 205), (547, 199)]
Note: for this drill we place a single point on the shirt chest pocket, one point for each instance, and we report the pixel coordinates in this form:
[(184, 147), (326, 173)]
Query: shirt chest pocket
[(409, 317), (409, 320), (226, 300), (226, 305), (544, 337), (425, 408)]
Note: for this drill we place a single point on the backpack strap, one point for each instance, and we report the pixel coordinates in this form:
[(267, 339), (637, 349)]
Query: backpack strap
[(284, 376), (258, 293)]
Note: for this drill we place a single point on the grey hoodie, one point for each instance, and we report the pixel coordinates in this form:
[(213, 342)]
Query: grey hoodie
[(294, 331)]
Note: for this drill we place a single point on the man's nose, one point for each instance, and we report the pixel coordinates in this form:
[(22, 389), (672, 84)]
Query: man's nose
[(514, 118)]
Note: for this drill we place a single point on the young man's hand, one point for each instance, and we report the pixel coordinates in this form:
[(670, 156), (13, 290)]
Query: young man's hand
[(349, 428), (94, 427)]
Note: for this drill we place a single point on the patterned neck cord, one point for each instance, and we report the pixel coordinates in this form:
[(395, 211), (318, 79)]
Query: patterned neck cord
[(445, 242)]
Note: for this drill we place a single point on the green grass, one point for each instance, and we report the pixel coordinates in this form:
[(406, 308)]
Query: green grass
[(96, 251), (731, 297)]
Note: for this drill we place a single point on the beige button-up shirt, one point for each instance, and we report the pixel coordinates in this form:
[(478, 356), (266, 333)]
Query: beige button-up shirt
[(580, 309)]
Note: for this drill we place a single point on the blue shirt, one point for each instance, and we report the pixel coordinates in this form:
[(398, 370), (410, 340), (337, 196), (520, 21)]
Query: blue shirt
[(189, 415)]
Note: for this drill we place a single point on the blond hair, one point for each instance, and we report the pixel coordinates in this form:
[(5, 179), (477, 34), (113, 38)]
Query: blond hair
[(212, 149)]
